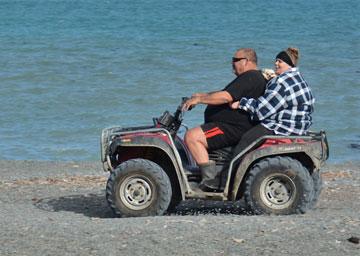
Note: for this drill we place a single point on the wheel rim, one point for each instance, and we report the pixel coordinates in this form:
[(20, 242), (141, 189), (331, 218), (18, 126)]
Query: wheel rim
[(136, 192), (278, 191)]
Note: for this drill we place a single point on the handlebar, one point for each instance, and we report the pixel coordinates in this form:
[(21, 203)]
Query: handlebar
[(180, 110), (172, 122)]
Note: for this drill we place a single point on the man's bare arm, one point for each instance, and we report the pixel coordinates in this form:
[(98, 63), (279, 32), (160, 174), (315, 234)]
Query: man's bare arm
[(213, 98)]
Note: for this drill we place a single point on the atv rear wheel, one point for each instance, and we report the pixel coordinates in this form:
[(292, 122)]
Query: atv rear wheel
[(138, 187), (278, 185)]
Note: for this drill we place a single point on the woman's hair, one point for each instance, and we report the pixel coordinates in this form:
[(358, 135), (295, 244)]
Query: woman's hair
[(293, 54)]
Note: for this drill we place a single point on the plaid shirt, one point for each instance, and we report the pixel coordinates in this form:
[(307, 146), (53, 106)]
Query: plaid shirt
[(285, 106)]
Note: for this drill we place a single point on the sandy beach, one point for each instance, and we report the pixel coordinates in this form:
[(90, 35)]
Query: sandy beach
[(59, 208)]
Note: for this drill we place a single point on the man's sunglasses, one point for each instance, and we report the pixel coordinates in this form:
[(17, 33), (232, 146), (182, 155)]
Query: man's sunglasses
[(238, 59)]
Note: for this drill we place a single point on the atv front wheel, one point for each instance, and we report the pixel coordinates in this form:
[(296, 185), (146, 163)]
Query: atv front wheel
[(278, 185), (138, 187)]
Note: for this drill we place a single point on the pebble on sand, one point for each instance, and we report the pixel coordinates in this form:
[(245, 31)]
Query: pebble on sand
[(354, 240)]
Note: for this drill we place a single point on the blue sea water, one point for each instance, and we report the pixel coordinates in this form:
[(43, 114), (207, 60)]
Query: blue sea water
[(70, 68)]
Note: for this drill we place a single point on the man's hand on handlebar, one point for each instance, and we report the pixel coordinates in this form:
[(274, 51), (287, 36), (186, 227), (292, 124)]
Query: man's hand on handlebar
[(190, 103)]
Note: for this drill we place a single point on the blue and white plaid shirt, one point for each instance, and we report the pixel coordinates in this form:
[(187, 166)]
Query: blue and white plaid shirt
[(285, 106)]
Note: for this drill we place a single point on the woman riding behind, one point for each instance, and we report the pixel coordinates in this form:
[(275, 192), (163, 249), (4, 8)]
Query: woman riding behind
[(286, 106)]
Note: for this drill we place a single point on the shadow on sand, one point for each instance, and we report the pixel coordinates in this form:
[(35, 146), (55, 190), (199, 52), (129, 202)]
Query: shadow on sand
[(95, 206), (90, 205)]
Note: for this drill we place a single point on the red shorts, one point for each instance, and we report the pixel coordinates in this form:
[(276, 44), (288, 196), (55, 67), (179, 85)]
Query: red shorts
[(220, 135)]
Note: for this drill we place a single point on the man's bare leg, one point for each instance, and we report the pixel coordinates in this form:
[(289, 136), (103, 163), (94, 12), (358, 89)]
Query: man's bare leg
[(196, 142)]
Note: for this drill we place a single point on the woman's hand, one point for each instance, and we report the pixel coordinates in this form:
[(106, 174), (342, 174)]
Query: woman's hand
[(234, 105)]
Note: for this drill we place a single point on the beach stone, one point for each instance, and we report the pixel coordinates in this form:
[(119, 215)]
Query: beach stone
[(354, 240)]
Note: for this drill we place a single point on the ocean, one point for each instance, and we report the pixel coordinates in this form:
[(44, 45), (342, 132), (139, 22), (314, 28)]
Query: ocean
[(71, 68)]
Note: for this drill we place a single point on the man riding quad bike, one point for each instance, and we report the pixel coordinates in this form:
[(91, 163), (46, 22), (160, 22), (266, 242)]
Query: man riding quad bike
[(152, 171)]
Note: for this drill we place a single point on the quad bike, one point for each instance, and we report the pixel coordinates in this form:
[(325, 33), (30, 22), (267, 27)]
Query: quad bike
[(152, 171)]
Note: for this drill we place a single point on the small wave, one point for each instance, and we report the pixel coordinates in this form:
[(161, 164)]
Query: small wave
[(354, 146)]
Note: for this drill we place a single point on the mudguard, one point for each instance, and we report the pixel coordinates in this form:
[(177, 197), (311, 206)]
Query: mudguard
[(151, 138)]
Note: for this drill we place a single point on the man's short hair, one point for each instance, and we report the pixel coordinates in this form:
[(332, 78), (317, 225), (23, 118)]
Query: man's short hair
[(250, 54)]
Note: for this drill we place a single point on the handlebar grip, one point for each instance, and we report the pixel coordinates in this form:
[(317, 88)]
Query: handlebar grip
[(184, 99)]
